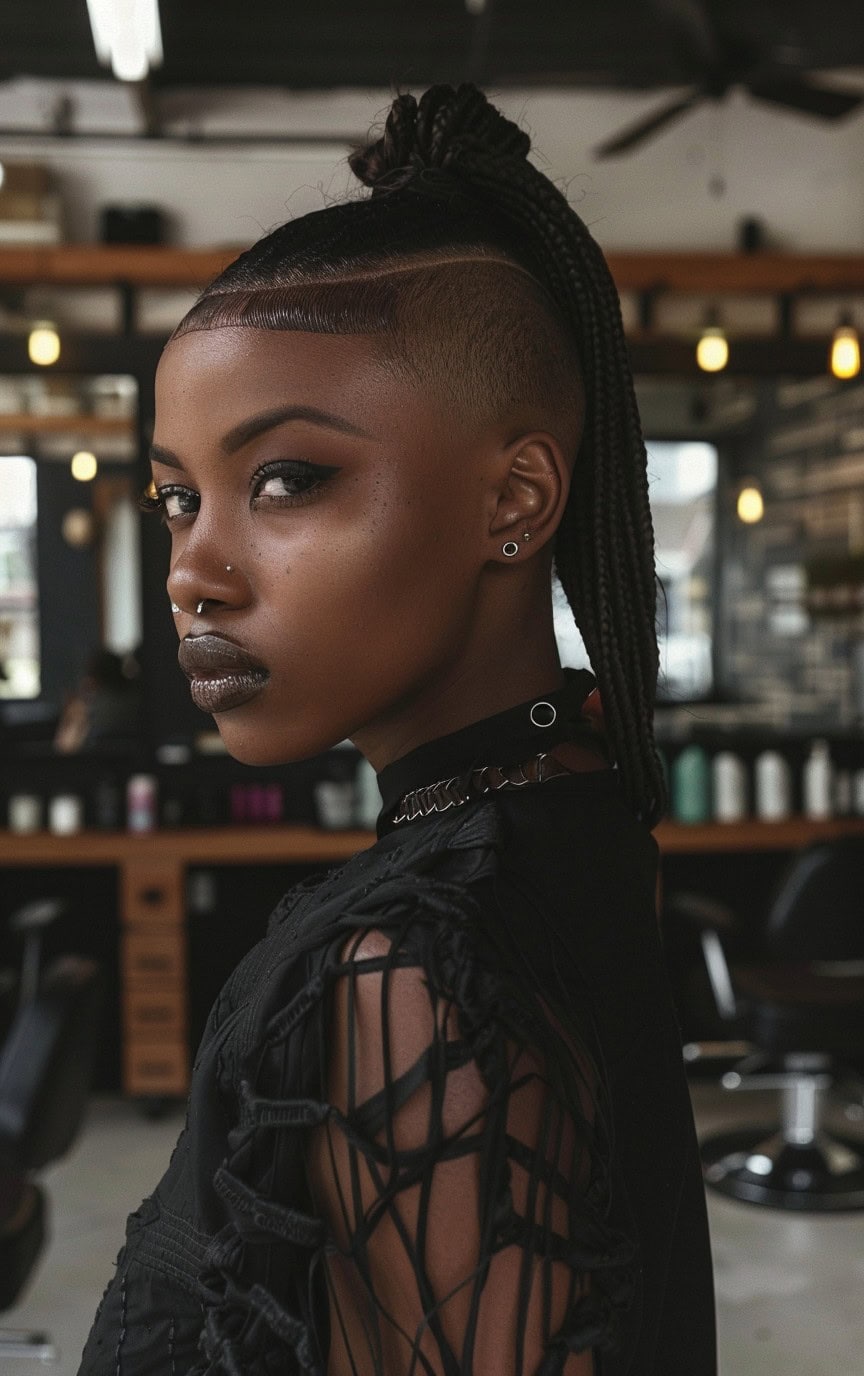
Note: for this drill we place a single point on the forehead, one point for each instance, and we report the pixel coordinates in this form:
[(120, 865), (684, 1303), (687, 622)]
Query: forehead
[(208, 381)]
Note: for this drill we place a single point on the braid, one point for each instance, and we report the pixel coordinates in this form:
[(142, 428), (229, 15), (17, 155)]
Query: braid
[(604, 546)]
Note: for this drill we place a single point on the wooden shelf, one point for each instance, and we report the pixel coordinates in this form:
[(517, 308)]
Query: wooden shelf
[(147, 265), (678, 838), (302, 845), (190, 846)]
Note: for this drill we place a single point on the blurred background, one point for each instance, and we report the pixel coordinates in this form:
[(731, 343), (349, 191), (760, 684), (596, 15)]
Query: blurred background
[(714, 148)]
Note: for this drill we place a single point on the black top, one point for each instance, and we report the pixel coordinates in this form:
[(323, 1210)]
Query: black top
[(523, 921)]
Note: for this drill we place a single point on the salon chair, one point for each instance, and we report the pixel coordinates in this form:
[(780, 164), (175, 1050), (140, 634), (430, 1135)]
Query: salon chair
[(796, 1003), (46, 1064)]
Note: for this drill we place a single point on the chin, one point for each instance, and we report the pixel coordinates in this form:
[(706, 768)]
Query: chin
[(248, 745)]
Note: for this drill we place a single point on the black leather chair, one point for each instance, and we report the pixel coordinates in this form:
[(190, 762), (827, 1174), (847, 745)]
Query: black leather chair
[(46, 1064), (797, 1002)]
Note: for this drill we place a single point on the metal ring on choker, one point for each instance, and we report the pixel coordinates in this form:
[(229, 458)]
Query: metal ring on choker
[(549, 707)]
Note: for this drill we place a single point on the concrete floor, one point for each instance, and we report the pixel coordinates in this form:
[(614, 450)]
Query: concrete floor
[(789, 1287)]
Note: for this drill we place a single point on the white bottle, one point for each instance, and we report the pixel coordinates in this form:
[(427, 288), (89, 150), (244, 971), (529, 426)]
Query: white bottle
[(773, 787), (367, 796), (818, 781), (729, 777)]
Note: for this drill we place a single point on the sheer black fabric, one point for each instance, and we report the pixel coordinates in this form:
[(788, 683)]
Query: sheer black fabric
[(510, 1047)]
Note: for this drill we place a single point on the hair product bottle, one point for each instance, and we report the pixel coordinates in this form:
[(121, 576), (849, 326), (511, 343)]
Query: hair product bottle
[(729, 777), (691, 786), (818, 781), (773, 779)]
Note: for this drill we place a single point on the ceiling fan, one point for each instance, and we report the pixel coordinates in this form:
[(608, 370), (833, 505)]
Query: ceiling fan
[(724, 61)]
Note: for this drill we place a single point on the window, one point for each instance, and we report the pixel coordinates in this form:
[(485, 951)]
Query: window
[(19, 597), (682, 483)]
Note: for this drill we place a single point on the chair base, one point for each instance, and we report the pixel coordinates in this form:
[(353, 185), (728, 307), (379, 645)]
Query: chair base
[(21, 1342), (759, 1165)]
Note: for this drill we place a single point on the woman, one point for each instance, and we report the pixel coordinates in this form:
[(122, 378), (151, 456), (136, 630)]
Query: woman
[(438, 1120)]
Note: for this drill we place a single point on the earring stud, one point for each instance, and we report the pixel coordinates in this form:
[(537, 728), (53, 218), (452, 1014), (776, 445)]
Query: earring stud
[(229, 568)]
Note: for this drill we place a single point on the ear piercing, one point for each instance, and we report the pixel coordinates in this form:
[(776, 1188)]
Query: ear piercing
[(511, 547)]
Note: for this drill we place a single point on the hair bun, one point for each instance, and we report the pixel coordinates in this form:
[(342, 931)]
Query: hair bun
[(436, 134)]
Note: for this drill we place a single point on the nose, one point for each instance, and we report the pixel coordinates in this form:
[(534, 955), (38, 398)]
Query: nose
[(197, 577)]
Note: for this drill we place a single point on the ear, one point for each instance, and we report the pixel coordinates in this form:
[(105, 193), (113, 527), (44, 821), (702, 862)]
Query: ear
[(531, 495)]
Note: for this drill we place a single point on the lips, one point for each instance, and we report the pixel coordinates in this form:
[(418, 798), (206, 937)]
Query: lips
[(221, 673)]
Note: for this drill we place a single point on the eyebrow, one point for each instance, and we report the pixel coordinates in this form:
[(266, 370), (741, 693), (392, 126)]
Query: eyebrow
[(257, 425)]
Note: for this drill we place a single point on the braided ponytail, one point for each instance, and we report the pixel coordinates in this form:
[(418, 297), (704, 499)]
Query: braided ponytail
[(604, 546)]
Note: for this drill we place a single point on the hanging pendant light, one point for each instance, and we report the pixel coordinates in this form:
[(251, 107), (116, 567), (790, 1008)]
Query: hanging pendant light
[(712, 350), (845, 361), (43, 343)]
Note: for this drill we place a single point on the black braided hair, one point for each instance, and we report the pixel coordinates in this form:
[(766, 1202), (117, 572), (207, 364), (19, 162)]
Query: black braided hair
[(450, 174)]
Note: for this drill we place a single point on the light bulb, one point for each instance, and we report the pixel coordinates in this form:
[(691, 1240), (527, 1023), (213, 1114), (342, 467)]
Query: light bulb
[(751, 507), (712, 351), (84, 466), (845, 352), (43, 344)]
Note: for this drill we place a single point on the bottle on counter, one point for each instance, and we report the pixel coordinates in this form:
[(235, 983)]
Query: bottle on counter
[(141, 800), (367, 796), (691, 786), (729, 780), (773, 780), (65, 814), (25, 813), (818, 781)]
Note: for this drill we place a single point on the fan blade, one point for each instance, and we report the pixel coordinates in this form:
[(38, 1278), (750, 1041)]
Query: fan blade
[(644, 128), (795, 94)]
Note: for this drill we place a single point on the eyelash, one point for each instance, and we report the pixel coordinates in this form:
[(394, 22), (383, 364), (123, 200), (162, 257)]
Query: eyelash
[(153, 498)]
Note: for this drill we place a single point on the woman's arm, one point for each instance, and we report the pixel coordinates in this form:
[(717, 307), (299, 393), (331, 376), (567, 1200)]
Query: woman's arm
[(414, 1186)]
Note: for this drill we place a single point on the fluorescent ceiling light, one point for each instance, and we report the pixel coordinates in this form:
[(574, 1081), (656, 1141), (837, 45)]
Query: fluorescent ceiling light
[(127, 36)]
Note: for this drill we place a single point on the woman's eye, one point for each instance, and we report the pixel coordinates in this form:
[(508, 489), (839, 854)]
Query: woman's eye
[(171, 501), (289, 482)]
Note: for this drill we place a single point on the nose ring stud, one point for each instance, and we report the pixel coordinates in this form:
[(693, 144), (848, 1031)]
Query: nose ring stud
[(229, 568)]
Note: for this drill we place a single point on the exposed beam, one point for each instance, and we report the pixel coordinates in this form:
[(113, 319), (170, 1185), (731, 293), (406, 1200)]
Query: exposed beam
[(700, 273)]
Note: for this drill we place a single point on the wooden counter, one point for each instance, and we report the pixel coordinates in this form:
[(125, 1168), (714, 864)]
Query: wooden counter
[(152, 872)]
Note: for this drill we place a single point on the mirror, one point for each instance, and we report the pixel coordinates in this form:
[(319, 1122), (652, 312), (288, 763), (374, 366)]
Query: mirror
[(70, 594)]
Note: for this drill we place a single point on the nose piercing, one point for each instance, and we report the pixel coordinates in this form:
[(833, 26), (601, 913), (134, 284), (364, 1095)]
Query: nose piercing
[(175, 609), (229, 568), (199, 609)]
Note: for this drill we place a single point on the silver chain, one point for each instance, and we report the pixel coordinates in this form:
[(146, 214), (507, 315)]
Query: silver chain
[(465, 788)]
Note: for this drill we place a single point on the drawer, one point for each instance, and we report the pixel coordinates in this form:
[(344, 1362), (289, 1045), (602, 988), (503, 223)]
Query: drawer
[(155, 1067), (152, 893), (154, 1013), (154, 956)]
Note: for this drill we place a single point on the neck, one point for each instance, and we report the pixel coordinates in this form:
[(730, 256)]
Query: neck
[(465, 691)]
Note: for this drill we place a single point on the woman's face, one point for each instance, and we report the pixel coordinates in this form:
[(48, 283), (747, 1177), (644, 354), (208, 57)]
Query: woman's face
[(355, 530)]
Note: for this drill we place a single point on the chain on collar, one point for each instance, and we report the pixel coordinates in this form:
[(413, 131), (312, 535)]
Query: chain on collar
[(473, 783)]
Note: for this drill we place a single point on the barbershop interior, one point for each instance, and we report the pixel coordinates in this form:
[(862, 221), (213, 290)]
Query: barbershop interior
[(714, 149)]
